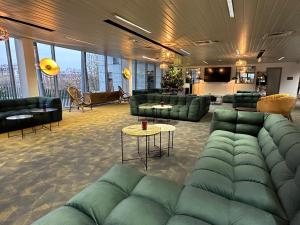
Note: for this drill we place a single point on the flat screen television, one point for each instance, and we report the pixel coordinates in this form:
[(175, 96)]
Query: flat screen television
[(217, 74)]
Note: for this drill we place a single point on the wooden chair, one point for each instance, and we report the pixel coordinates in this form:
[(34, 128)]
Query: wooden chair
[(77, 99), (124, 97)]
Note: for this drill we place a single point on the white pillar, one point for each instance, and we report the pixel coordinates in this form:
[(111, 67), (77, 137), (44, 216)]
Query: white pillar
[(27, 69), (130, 80)]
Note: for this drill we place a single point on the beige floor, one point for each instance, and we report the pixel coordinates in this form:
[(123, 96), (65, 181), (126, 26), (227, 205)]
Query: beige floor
[(42, 171)]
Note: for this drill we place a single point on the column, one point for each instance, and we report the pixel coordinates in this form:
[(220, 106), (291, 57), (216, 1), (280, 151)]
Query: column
[(27, 67)]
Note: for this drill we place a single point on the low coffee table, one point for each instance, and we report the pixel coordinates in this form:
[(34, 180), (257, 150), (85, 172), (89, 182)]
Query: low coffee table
[(170, 129), (138, 132), (20, 119), (42, 111)]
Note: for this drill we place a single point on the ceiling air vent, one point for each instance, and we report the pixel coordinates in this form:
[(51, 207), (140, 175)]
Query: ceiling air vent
[(278, 34), (205, 42)]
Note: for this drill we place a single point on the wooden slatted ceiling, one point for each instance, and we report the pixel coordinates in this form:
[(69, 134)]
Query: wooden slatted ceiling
[(179, 21)]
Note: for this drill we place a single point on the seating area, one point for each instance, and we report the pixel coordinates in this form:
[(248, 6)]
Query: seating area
[(191, 108), (149, 112)]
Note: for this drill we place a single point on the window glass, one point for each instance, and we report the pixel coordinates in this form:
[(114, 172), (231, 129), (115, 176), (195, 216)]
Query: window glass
[(140, 76), (158, 76), (125, 82), (96, 72), (15, 67), (5, 86), (48, 82), (69, 62), (114, 73)]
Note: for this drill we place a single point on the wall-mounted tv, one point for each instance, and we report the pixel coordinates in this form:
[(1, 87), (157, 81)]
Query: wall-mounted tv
[(217, 74)]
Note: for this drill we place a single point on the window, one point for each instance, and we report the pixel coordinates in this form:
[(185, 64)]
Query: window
[(245, 75), (15, 67), (9, 73), (69, 62), (5, 85), (44, 51), (158, 76), (140, 75), (95, 65), (114, 73)]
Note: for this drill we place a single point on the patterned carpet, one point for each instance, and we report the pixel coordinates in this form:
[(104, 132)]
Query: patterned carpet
[(44, 170)]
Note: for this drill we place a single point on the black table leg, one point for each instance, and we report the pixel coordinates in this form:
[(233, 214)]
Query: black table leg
[(146, 162)]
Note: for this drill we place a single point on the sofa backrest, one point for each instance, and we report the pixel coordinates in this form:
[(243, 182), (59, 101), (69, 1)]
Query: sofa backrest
[(16, 104), (279, 140), (237, 121), (246, 99)]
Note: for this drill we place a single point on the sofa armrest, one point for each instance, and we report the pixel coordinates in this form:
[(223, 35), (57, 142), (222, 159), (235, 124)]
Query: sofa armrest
[(198, 108)]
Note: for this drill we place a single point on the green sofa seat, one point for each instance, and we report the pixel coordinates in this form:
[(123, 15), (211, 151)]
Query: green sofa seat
[(248, 174), (190, 108)]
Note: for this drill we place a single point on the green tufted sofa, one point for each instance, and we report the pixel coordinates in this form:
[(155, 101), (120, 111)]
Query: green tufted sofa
[(148, 91), (190, 108), (23, 106), (245, 99), (248, 174)]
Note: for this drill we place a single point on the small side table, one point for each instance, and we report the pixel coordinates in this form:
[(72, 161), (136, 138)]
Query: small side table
[(42, 111), (138, 132), (19, 119), (170, 129), (160, 107)]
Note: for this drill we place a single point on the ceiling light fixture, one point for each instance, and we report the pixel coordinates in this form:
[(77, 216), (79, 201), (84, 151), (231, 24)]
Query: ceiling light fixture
[(205, 62), (77, 40), (149, 58), (186, 52), (4, 34), (281, 58), (132, 24), (259, 59), (237, 51), (241, 63), (230, 8)]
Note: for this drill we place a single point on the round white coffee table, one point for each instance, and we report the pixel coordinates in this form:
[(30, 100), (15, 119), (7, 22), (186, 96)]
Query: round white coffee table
[(138, 132), (170, 129), (161, 107)]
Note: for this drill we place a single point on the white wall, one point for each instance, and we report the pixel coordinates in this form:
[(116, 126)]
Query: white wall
[(221, 88)]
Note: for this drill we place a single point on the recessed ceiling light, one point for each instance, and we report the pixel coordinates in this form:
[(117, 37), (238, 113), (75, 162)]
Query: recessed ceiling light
[(230, 8), (77, 40), (132, 24), (220, 60), (281, 58), (205, 62), (186, 52), (149, 58)]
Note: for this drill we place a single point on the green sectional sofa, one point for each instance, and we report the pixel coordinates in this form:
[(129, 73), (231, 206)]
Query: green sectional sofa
[(248, 174), (190, 108), (148, 91), (246, 99), (24, 106)]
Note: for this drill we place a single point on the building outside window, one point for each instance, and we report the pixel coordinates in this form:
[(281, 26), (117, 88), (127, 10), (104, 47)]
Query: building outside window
[(114, 72), (9, 73), (158, 76), (69, 61), (141, 75), (95, 65)]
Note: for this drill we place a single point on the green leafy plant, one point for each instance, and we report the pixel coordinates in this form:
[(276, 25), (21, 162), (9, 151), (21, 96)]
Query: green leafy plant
[(173, 79)]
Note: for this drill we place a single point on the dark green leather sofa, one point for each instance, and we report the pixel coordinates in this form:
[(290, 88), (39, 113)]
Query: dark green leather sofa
[(248, 174), (23, 106), (190, 108), (245, 99)]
